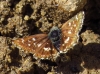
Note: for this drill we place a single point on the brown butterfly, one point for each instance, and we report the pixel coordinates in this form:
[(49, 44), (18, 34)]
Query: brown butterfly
[(59, 40)]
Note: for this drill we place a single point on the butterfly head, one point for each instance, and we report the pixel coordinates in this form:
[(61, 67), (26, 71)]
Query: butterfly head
[(55, 37)]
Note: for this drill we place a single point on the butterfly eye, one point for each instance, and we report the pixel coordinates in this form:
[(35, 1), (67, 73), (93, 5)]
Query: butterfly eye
[(54, 34)]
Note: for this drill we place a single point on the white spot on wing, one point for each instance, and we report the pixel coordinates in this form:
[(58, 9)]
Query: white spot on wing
[(29, 41), (47, 49), (69, 24), (39, 45), (42, 58), (62, 44), (74, 25), (29, 44), (69, 32), (22, 40), (66, 41), (76, 18), (33, 39), (82, 21), (61, 52), (34, 44)]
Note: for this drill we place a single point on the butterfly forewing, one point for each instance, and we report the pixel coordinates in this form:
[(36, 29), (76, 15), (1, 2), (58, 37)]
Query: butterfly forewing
[(70, 31), (29, 42)]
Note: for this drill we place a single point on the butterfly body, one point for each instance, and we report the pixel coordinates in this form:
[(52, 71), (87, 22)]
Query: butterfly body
[(44, 46), (55, 37)]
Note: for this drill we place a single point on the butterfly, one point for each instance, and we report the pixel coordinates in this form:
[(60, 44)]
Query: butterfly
[(58, 40)]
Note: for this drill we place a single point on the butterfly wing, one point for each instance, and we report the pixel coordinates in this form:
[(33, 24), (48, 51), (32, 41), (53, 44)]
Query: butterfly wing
[(70, 31), (38, 44)]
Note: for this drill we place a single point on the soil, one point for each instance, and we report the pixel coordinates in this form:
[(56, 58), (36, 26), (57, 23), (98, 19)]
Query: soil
[(20, 18)]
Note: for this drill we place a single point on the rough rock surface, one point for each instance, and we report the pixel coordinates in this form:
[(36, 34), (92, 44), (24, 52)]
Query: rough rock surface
[(19, 18)]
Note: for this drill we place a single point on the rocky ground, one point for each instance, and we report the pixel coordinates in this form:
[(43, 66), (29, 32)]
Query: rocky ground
[(20, 18)]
